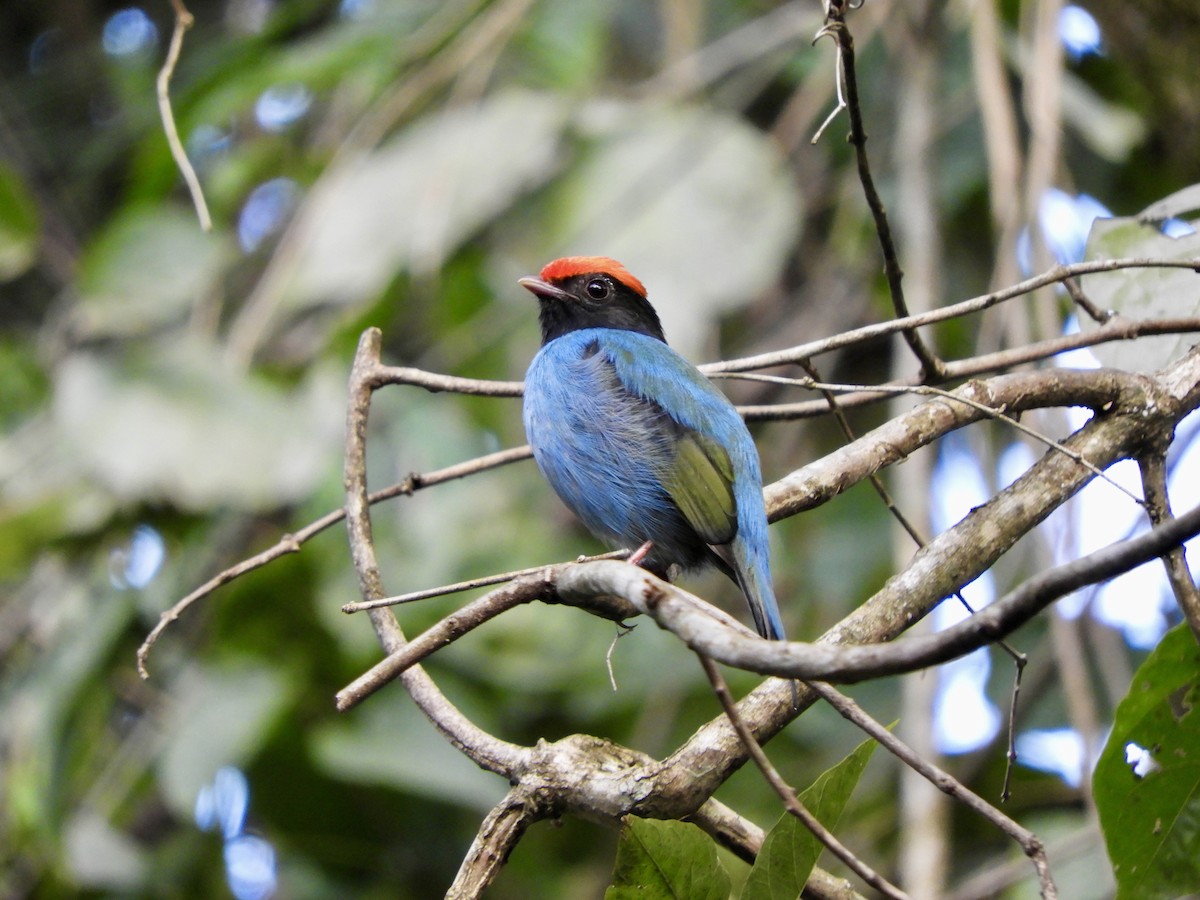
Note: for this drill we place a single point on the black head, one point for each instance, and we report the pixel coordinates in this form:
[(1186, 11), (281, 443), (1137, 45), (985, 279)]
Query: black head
[(591, 292)]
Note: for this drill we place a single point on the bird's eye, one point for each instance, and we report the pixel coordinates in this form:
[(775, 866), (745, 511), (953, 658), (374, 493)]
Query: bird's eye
[(597, 289)]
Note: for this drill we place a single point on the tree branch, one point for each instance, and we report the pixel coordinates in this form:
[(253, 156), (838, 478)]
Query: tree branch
[(787, 794), (498, 834), (1179, 575), (183, 21), (943, 781), (686, 616), (291, 543), (835, 24), (483, 749)]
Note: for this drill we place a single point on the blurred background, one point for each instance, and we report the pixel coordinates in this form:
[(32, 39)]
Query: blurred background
[(173, 401)]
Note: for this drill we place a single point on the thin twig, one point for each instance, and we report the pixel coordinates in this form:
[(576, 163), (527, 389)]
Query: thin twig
[(839, 81), (1019, 659), (436, 383), (1010, 754), (690, 619), (1030, 843), (931, 365), (400, 659), (855, 336), (1179, 576), (828, 388), (183, 21), (787, 794), (291, 543), (459, 587), (619, 632), (1080, 299), (1116, 330)]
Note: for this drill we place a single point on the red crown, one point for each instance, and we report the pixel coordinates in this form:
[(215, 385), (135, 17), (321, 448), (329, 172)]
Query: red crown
[(570, 266)]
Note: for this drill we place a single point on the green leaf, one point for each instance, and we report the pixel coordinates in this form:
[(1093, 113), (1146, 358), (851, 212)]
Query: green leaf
[(1142, 293), (19, 226), (790, 850), (657, 858), (148, 268), (1151, 816)]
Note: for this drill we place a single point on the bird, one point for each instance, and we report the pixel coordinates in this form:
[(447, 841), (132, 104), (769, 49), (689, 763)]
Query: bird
[(636, 441)]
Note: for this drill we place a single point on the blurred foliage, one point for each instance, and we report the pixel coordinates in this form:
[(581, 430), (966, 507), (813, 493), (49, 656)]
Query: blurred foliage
[(157, 376)]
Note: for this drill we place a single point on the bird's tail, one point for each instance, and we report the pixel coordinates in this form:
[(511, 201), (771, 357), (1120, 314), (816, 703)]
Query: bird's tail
[(753, 572)]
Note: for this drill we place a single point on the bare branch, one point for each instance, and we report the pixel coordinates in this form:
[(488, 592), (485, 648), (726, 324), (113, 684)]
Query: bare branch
[(830, 389), (855, 336), (1117, 329), (460, 586), (291, 543), (498, 835), (835, 24), (892, 442), (1019, 659), (483, 749), (1179, 575), (436, 383), (183, 21), (1080, 299), (943, 781), (787, 794), (685, 615)]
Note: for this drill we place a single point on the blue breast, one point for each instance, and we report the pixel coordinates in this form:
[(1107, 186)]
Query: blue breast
[(603, 445)]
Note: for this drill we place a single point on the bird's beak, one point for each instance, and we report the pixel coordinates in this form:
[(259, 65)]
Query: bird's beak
[(543, 290)]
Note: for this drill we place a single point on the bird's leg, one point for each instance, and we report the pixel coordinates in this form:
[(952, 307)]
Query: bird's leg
[(641, 553)]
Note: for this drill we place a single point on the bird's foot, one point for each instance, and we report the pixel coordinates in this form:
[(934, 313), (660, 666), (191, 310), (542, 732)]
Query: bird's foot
[(641, 553)]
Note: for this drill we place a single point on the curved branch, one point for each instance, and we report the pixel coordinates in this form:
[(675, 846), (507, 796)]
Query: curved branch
[(183, 21), (483, 749), (498, 834), (816, 483), (688, 618)]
